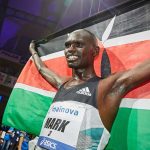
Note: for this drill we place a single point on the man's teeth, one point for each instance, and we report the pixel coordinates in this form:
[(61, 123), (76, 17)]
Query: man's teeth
[(72, 57)]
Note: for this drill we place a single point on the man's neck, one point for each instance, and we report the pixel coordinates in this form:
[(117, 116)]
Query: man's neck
[(83, 74), (80, 76)]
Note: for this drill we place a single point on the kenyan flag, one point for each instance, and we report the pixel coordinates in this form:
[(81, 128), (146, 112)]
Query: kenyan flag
[(127, 46)]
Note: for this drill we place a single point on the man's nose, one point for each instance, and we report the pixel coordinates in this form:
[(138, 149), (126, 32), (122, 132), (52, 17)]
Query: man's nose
[(71, 48)]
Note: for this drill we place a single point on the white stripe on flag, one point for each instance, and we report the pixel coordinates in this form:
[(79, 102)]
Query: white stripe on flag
[(53, 55), (135, 103), (126, 102), (35, 90), (131, 38)]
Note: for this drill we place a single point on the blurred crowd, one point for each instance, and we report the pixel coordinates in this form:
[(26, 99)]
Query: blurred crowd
[(13, 139)]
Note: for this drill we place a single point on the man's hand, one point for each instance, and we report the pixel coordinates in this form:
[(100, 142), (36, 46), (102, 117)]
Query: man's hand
[(32, 48), (50, 76)]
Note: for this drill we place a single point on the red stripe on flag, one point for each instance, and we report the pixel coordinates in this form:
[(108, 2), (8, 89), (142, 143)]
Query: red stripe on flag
[(30, 75), (121, 57), (126, 56)]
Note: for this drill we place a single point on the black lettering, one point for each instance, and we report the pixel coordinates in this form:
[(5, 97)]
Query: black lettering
[(51, 123), (50, 132), (47, 122), (57, 123), (63, 125)]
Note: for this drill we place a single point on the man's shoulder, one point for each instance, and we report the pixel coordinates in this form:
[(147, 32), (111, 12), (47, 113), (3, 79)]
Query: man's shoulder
[(109, 81), (112, 76)]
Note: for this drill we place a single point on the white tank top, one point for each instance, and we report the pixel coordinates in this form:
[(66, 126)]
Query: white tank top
[(73, 121), (73, 126)]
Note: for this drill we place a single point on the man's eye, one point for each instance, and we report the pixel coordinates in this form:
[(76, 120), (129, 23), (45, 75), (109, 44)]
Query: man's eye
[(78, 44), (67, 45)]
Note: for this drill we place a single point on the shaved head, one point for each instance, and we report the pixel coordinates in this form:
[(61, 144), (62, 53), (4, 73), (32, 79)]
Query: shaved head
[(88, 34)]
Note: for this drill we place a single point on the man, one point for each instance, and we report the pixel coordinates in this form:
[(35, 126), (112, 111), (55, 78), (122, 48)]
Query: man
[(14, 140), (7, 139), (85, 106), (23, 141)]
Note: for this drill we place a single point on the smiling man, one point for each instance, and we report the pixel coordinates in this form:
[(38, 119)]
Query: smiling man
[(85, 105)]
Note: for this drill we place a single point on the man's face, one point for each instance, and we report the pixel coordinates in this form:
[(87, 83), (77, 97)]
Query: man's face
[(78, 50)]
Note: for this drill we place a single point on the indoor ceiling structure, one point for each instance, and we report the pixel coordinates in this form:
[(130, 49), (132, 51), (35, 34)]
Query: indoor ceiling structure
[(24, 20)]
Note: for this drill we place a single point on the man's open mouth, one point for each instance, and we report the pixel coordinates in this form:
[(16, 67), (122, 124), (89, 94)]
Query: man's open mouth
[(72, 58)]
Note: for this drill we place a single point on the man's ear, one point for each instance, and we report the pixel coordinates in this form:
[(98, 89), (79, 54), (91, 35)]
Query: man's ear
[(96, 51)]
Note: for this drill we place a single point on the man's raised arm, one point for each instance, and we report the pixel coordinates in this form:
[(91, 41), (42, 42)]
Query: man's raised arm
[(136, 76), (114, 88), (53, 78)]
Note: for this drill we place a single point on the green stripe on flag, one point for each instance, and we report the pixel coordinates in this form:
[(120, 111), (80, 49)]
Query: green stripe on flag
[(26, 108), (131, 130)]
